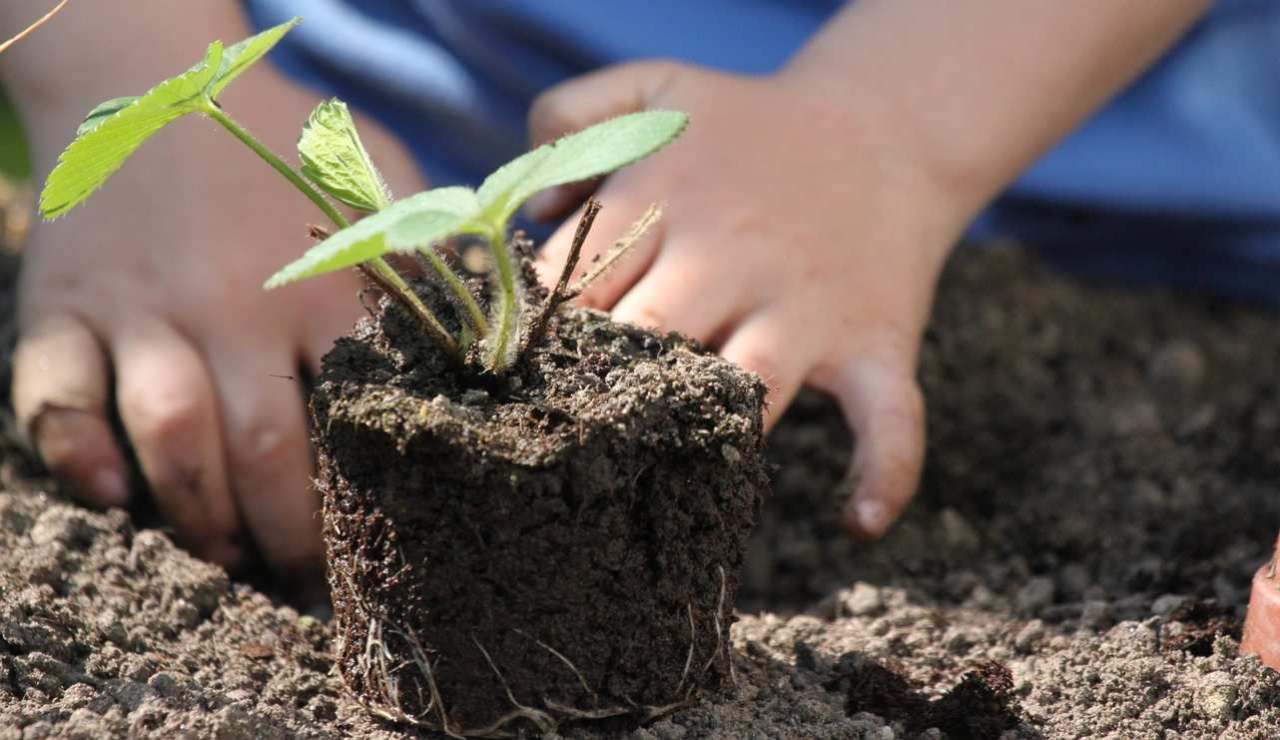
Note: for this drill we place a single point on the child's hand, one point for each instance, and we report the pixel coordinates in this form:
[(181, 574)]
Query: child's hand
[(801, 237), (808, 213), (146, 303)]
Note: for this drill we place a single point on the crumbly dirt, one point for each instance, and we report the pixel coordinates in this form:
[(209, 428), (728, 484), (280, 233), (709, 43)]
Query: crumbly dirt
[(1101, 485), (562, 544)]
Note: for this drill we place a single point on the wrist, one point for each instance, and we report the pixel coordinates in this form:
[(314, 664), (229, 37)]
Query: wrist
[(927, 190), (953, 168)]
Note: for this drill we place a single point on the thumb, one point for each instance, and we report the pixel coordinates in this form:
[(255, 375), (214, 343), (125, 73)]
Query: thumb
[(884, 407), (592, 98), (581, 102)]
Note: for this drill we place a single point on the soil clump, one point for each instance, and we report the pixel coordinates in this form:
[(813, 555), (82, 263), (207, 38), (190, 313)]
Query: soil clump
[(560, 543), (1100, 461)]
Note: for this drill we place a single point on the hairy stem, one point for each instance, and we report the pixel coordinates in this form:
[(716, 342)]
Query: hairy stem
[(621, 248), (377, 269), (215, 112), (381, 274), (467, 305), (506, 314)]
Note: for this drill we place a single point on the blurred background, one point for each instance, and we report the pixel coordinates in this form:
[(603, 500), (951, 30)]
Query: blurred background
[(17, 192)]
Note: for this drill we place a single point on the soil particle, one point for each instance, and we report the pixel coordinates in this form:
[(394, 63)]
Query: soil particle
[(1018, 367)]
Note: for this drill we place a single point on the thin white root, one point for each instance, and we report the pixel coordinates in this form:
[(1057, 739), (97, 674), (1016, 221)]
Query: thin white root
[(423, 663), (31, 28), (724, 589), (620, 249), (545, 722), (581, 679), (693, 643), (385, 678)]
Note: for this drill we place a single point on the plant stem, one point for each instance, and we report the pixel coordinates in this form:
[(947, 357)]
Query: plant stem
[(560, 294), (392, 284), (212, 110), (381, 273), (468, 307), (508, 310)]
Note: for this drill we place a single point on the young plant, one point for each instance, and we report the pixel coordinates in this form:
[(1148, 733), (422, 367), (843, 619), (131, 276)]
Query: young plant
[(335, 161)]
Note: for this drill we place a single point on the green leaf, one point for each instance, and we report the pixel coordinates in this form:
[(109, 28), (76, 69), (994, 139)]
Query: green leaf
[(424, 226), (334, 158), (592, 152), (103, 111), (97, 153), (243, 55), (417, 220)]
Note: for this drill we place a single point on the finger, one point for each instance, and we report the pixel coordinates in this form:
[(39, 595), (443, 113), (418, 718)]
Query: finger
[(60, 382), (760, 345), (167, 405), (268, 457), (559, 201), (613, 222), (885, 410), (677, 295), (582, 101)]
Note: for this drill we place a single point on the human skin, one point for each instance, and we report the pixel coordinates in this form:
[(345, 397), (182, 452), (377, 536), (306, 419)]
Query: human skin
[(149, 296), (808, 214)]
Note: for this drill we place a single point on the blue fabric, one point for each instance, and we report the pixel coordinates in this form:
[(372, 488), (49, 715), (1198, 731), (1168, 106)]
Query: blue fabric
[(1176, 182)]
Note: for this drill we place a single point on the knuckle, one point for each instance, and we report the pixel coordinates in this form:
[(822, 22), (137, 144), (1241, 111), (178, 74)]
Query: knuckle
[(168, 418), (910, 407), (257, 444), (762, 364), (55, 435), (650, 317), (544, 110)]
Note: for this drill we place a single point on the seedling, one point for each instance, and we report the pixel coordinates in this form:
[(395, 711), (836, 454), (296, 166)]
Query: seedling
[(335, 161)]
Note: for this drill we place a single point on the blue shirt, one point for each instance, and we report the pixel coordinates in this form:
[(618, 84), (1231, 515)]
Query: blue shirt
[(1176, 182)]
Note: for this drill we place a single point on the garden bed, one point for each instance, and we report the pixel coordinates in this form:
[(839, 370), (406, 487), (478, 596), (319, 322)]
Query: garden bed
[(1102, 483)]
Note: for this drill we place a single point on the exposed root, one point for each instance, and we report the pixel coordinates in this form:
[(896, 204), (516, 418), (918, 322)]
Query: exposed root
[(619, 250), (545, 722), (728, 654), (561, 294), (581, 679), (29, 29), (423, 664), (389, 681), (693, 644), (575, 713)]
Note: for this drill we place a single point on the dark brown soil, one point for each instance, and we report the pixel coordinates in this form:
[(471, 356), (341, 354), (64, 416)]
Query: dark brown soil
[(1103, 478), (980, 706), (564, 544)]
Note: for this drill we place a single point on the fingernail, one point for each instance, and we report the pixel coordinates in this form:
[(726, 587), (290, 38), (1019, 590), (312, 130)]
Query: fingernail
[(110, 488), (871, 516)]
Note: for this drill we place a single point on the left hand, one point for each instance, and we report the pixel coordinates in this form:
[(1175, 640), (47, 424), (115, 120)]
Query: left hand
[(801, 237)]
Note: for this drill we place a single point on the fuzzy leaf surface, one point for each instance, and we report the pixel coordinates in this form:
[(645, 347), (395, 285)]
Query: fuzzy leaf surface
[(591, 152), (334, 158), (99, 152), (449, 211), (240, 56), (418, 219), (103, 111)]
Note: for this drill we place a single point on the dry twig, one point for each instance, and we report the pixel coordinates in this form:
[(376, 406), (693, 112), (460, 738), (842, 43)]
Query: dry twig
[(29, 29)]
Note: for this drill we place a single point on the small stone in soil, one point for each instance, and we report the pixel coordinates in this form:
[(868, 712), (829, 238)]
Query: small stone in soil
[(1035, 595)]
